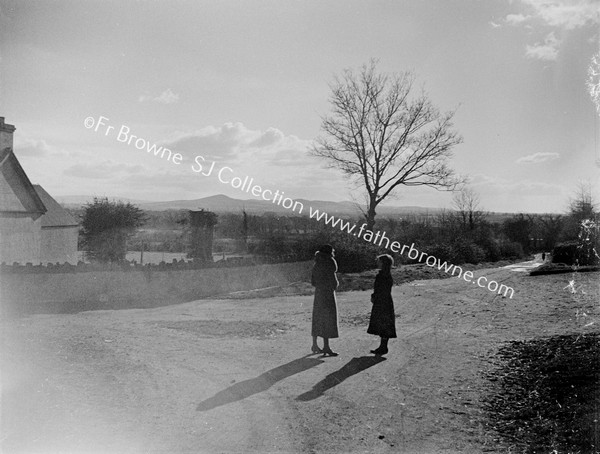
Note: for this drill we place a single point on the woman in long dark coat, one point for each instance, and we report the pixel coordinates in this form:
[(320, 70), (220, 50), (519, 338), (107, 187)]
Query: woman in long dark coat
[(383, 319), (324, 317)]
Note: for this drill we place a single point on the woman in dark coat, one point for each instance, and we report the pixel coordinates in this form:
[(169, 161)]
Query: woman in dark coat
[(383, 319), (324, 317)]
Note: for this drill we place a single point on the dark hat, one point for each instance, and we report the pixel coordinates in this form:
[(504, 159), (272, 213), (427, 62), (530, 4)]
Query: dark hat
[(326, 249)]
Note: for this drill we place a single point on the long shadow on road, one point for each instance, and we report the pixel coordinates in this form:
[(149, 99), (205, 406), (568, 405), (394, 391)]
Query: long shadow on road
[(259, 384), (354, 366)]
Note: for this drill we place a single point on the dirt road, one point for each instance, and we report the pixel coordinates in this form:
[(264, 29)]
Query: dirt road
[(234, 376)]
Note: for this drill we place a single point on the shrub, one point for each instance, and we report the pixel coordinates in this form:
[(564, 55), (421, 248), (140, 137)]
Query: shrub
[(511, 250), (273, 245), (565, 253), (573, 253), (442, 251), (461, 250), (352, 254), (467, 252), (106, 227), (489, 246)]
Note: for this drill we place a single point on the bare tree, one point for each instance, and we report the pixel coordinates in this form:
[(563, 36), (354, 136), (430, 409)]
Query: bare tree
[(582, 207), (550, 228), (466, 202), (379, 136)]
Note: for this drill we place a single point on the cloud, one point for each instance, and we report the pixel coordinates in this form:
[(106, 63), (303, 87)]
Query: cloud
[(560, 15), (234, 142), (548, 50), (515, 19), (101, 170), (32, 148), (271, 137), (539, 157), (273, 159), (566, 14), (166, 97), (28, 148), (214, 142)]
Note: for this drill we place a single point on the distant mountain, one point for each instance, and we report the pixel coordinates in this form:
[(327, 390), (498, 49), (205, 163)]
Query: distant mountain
[(217, 203), (224, 204)]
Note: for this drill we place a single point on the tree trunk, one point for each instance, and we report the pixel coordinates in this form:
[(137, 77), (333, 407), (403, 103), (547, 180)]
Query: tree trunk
[(370, 216)]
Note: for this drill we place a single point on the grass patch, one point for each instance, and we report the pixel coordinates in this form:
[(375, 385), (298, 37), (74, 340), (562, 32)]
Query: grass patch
[(545, 395)]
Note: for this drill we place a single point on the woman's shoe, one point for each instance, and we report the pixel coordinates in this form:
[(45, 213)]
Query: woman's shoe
[(380, 351), (328, 352), (316, 349)]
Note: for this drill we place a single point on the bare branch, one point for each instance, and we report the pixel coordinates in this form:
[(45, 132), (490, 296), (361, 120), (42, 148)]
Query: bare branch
[(377, 134)]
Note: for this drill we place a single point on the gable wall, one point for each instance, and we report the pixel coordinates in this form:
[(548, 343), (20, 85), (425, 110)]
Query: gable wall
[(59, 244), (20, 239)]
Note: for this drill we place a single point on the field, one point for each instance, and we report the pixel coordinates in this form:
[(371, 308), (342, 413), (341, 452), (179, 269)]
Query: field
[(234, 375)]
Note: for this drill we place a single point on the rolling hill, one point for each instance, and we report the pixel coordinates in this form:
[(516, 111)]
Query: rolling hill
[(224, 204)]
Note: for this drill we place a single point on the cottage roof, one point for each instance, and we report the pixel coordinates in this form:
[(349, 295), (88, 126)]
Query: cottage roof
[(17, 194), (56, 216)]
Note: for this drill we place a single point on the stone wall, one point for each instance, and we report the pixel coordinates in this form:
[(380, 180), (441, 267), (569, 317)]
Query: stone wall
[(71, 292)]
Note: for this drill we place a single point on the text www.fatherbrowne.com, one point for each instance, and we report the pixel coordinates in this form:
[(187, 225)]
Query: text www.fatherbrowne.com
[(380, 239)]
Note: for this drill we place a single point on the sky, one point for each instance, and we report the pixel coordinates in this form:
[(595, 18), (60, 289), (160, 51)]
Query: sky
[(245, 85)]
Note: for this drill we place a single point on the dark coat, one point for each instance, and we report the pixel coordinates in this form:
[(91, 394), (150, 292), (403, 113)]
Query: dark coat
[(383, 319), (324, 317)]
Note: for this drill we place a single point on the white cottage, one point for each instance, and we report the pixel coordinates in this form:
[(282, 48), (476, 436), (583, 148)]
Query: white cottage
[(33, 226)]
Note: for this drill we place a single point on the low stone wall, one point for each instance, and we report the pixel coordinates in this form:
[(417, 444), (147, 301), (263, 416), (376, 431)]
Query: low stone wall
[(71, 292)]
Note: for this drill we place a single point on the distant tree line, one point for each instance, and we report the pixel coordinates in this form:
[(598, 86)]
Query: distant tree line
[(465, 234)]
